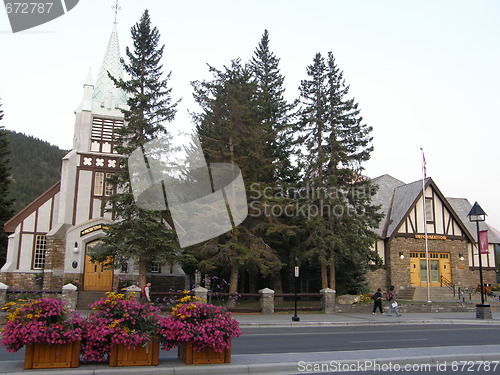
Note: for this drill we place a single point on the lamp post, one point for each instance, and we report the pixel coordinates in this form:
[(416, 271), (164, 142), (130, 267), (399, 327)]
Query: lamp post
[(295, 318), (476, 215)]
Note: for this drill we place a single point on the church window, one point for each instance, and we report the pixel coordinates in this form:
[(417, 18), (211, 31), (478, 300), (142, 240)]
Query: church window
[(109, 186), (99, 183), (40, 249)]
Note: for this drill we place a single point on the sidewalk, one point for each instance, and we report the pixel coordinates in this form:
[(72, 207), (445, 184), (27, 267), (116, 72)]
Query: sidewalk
[(302, 363)]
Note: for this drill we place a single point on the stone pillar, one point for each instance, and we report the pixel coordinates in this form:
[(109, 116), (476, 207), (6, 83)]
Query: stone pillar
[(483, 312), (328, 300), (3, 294), (201, 293), (70, 296), (266, 301), (134, 291)]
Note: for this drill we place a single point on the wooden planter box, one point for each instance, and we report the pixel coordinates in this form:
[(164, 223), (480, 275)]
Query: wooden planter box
[(52, 356), (148, 355), (205, 356)]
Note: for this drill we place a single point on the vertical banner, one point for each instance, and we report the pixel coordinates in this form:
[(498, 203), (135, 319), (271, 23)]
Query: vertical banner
[(483, 242)]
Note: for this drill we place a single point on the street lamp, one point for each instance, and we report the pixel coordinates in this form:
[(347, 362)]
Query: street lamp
[(295, 318), (477, 214)]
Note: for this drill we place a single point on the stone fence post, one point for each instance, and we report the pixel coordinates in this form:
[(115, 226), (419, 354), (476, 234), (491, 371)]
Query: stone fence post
[(328, 300), (201, 293), (70, 296), (134, 291), (3, 294), (266, 301)]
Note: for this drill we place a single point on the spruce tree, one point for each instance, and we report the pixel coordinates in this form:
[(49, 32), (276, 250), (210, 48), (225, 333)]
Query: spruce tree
[(230, 131), (5, 202), (139, 234), (274, 112), (337, 144), (277, 118)]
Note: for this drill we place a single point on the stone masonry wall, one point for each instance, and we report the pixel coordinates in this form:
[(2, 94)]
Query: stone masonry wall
[(376, 278), (461, 274), (54, 262)]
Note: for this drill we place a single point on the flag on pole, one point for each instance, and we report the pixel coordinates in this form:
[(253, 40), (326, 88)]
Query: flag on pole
[(483, 242), (424, 165)]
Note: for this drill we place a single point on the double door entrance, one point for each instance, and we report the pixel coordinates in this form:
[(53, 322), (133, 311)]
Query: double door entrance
[(439, 269), (97, 276)]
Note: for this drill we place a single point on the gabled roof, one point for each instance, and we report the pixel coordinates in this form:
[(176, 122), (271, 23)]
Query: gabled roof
[(405, 198), (10, 226), (462, 207), (386, 186), (397, 199)]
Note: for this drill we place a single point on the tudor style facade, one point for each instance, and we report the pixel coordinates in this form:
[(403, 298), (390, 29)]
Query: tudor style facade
[(452, 256), (54, 235)]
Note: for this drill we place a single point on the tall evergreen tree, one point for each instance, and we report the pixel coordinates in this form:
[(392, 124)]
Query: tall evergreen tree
[(230, 131), (274, 111), (5, 202), (277, 118), (337, 143), (140, 234)]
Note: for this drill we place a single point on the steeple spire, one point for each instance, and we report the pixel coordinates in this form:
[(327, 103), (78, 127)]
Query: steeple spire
[(105, 90)]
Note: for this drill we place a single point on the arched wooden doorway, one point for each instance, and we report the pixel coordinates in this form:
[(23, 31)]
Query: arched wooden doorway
[(96, 276)]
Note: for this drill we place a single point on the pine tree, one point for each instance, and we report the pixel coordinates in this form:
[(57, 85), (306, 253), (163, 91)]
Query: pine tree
[(230, 131), (276, 117), (5, 202), (140, 234), (274, 111), (338, 144)]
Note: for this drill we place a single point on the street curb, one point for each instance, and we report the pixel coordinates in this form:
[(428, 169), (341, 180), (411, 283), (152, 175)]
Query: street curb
[(275, 368), (367, 323)]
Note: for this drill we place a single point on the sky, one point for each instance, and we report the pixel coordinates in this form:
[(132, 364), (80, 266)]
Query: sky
[(425, 73)]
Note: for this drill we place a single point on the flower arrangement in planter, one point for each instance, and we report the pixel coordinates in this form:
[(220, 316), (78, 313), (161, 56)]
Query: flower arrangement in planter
[(116, 321), (199, 327), (51, 334), (42, 320)]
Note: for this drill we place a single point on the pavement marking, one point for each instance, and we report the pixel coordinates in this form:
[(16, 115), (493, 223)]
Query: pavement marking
[(405, 340)]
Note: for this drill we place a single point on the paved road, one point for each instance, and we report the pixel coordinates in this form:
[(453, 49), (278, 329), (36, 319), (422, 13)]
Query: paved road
[(333, 339), (322, 339)]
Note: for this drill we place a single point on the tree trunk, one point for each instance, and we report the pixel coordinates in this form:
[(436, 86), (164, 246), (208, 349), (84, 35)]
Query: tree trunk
[(324, 276), (277, 286), (142, 272), (233, 284), (332, 273)]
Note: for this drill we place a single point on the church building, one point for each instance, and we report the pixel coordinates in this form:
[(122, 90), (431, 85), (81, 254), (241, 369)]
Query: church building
[(442, 239), (52, 237)]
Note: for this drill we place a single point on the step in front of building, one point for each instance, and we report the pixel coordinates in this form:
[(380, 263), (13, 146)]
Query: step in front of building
[(436, 294), (86, 298)]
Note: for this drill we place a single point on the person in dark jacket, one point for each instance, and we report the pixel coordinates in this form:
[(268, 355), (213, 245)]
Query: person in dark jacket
[(377, 301)]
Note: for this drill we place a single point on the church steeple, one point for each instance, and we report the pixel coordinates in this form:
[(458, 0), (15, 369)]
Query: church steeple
[(105, 91)]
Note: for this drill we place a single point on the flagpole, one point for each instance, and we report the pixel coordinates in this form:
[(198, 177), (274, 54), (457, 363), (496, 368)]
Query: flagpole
[(425, 227)]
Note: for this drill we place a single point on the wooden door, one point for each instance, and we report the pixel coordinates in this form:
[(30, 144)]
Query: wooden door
[(445, 267), (97, 276), (414, 272)]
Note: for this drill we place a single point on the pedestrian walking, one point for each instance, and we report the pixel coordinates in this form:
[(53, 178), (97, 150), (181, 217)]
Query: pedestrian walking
[(377, 301), (393, 304), (145, 293)]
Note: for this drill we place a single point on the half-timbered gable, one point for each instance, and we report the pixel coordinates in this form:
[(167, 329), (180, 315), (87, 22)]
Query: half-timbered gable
[(56, 234), (426, 238)]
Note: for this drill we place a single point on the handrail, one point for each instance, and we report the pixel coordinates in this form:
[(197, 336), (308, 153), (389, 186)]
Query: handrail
[(448, 284)]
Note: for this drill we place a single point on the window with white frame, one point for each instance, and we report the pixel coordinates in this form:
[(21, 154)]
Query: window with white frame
[(40, 249), (155, 267), (99, 183), (109, 186)]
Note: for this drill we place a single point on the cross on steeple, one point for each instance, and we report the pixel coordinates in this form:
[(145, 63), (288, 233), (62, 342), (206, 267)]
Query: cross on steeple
[(116, 8)]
